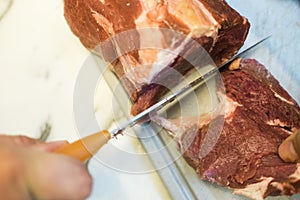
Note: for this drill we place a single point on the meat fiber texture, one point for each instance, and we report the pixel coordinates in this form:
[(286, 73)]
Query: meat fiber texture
[(243, 140), (122, 32)]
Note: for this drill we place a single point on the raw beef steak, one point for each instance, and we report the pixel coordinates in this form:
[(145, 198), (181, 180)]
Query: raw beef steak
[(214, 25), (244, 156)]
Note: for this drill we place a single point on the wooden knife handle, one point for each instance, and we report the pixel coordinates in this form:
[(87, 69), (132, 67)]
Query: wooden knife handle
[(86, 147)]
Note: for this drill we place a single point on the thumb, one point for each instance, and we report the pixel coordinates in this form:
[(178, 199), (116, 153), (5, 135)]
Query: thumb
[(289, 150), (50, 146)]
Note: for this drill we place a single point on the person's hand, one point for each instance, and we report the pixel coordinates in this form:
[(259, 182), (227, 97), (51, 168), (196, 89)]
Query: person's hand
[(289, 150), (28, 170)]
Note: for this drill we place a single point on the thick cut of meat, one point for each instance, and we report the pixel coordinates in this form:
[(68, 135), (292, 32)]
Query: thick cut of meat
[(218, 28), (237, 145), (245, 155)]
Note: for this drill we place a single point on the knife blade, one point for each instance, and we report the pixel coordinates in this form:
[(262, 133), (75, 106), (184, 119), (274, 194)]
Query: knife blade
[(85, 148)]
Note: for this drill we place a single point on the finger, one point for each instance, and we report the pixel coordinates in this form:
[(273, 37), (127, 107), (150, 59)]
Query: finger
[(296, 142), (289, 150), (24, 141), (11, 173), (53, 176), (19, 140)]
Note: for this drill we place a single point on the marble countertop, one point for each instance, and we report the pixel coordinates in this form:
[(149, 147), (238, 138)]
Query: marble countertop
[(40, 60)]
